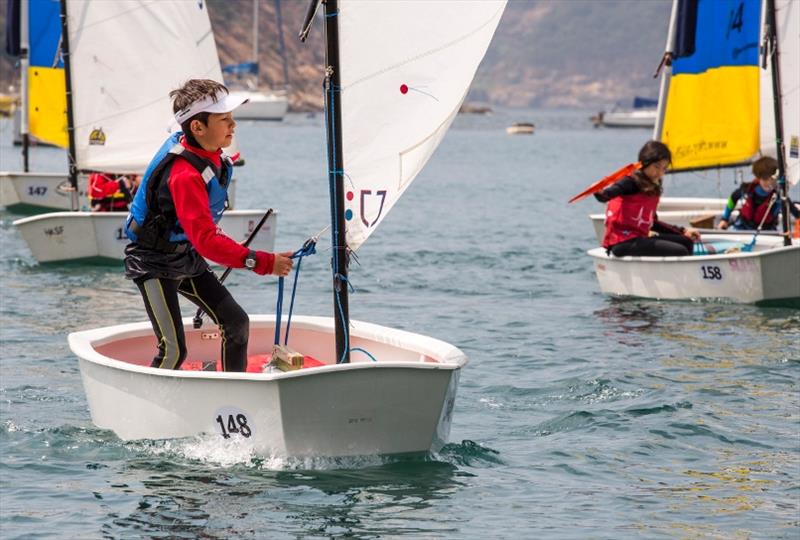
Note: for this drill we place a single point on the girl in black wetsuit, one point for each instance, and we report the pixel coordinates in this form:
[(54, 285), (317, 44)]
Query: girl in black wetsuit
[(632, 227)]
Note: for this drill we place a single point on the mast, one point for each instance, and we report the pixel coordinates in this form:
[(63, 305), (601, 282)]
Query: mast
[(666, 64), (281, 43), (73, 169), (24, 62), (772, 44), (255, 38), (333, 123)]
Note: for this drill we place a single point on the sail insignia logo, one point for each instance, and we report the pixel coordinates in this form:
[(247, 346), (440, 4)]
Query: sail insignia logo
[(97, 137)]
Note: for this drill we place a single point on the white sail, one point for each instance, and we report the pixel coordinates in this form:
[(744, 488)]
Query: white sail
[(787, 17), (126, 56), (406, 67)]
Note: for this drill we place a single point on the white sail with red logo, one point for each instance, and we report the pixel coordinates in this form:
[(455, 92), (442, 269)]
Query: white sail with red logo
[(405, 70)]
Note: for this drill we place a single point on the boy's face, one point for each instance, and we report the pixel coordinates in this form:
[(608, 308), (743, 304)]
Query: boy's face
[(217, 134), (769, 183)]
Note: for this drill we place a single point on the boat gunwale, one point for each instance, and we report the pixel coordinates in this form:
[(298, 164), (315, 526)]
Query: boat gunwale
[(599, 253), (83, 343)]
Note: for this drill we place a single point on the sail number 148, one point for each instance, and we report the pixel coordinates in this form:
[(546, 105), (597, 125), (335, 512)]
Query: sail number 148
[(233, 424)]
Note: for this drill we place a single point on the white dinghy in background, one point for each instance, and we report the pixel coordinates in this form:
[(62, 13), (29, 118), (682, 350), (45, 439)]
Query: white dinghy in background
[(768, 273), (402, 402), (99, 236), (41, 115), (124, 59), (370, 389), (37, 191)]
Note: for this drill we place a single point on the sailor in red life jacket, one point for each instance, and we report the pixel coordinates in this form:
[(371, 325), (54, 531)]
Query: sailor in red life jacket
[(110, 192), (632, 226), (173, 228), (758, 209)]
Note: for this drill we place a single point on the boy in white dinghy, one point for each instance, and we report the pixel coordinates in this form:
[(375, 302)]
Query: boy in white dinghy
[(172, 225), (758, 207)]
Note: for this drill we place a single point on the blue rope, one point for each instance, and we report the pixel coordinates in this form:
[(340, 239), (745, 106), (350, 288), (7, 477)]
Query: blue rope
[(309, 248), (359, 349)]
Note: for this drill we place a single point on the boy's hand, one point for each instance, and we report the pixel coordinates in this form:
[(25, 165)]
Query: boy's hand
[(722, 224), (283, 264), (278, 264)]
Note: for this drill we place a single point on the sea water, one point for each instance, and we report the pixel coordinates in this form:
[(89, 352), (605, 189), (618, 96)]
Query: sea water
[(579, 415)]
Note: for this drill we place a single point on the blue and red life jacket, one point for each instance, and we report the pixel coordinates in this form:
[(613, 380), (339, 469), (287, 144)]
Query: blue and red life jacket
[(753, 211), (152, 222)]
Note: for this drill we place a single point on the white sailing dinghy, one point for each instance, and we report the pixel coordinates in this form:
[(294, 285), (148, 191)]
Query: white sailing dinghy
[(121, 59), (362, 388), (43, 116), (768, 268)]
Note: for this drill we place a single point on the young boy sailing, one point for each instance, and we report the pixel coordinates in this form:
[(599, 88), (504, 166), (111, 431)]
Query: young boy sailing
[(172, 225)]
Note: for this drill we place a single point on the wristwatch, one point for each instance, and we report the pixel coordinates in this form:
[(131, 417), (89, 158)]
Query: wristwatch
[(250, 260)]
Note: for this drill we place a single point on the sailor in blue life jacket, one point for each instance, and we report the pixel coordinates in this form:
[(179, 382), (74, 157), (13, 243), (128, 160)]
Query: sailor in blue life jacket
[(758, 208), (172, 226)]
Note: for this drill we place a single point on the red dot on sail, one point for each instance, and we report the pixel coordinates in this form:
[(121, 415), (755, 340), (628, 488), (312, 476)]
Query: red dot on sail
[(349, 195), (404, 89)]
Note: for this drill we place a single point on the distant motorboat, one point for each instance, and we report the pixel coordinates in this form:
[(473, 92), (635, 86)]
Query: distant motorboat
[(521, 128), (474, 108), (261, 105), (641, 115)]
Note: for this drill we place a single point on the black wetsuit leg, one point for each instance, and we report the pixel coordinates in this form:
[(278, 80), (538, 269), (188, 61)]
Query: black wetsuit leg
[(161, 302), (207, 293), (665, 245)]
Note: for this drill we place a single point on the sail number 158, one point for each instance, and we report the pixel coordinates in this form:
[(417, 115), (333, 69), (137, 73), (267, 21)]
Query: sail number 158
[(711, 272)]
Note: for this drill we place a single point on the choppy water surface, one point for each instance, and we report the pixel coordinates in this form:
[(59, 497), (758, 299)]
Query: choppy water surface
[(578, 416)]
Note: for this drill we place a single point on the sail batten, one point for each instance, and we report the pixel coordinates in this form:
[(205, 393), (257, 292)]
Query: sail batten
[(405, 70)]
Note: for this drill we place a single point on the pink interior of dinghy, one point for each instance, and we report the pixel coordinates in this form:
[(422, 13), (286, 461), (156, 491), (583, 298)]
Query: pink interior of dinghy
[(140, 351), (255, 364)]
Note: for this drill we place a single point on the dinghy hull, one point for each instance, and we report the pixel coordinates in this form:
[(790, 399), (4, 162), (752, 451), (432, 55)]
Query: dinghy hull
[(768, 273), (86, 236), (29, 192), (400, 403)]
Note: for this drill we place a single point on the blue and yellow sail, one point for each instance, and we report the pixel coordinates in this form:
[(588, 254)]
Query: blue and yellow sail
[(711, 112), (47, 96)]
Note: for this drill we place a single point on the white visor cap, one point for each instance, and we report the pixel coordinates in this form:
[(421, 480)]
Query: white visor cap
[(224, 103)]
